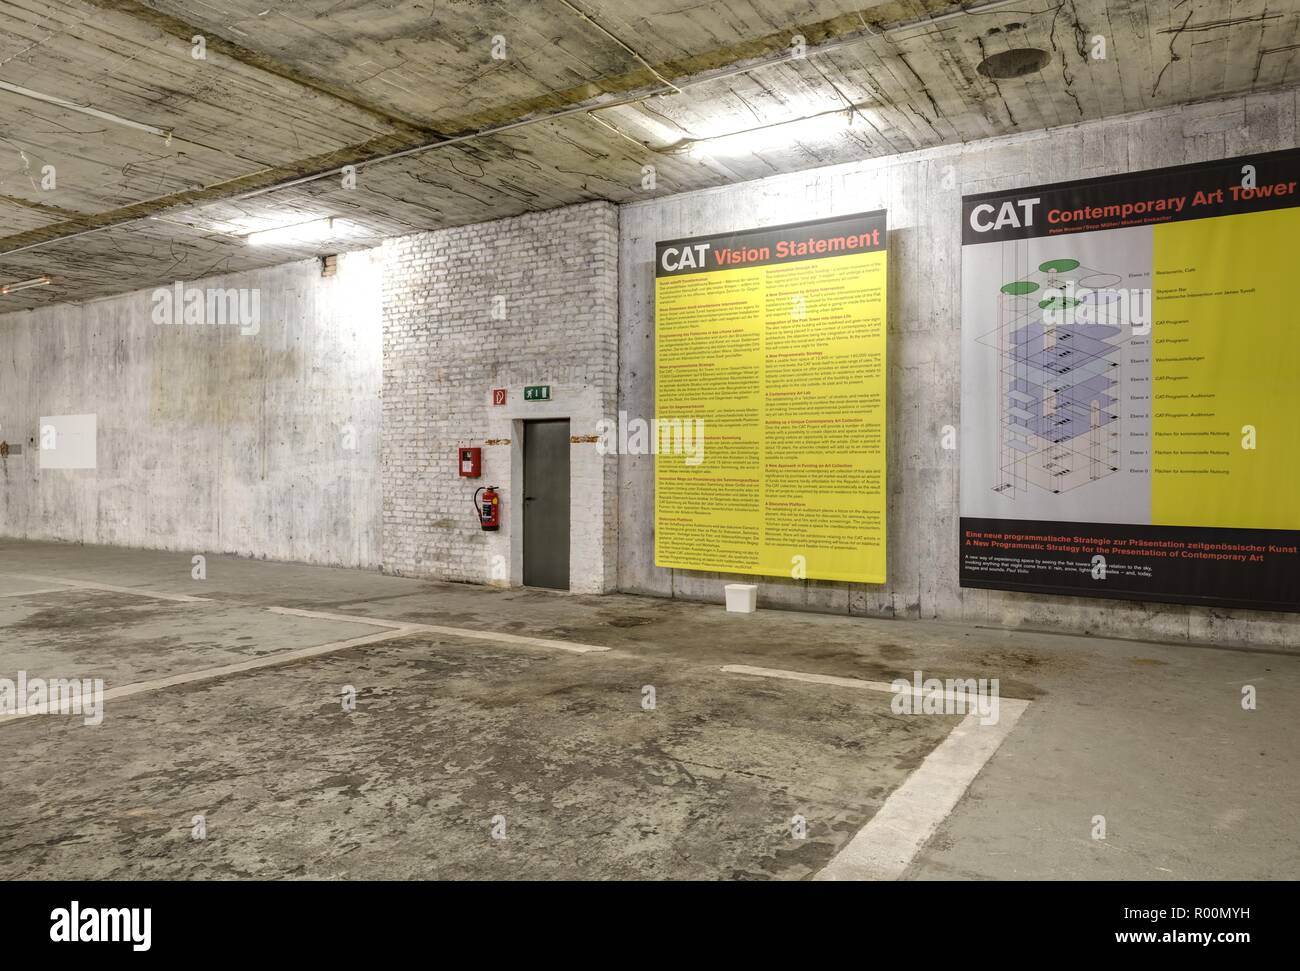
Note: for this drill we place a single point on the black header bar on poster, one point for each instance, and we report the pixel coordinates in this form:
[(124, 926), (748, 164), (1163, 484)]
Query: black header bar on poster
[(1250, 183), (815, 240)]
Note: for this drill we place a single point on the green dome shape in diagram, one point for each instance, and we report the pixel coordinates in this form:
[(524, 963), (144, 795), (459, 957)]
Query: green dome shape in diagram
[(1058, 302), (1020, 288)]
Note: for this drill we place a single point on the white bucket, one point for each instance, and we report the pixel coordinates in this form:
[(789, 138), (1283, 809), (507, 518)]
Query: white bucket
[(742, 598)]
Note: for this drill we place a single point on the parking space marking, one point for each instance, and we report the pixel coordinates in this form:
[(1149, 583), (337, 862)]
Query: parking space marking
[(238, 667), (345, 618), (470, 632), (87, 585), (392, 629), (884, 848), (491, 635), (807, 678), (860, 683)]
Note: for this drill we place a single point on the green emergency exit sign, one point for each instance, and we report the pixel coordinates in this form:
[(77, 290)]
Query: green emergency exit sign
[(537, 392)]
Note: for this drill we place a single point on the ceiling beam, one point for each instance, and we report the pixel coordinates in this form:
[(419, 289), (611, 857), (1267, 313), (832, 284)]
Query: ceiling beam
[(184, 31)]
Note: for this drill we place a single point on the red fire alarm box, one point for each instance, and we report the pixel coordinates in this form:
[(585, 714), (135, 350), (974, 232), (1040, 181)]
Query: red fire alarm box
[(471, 462)]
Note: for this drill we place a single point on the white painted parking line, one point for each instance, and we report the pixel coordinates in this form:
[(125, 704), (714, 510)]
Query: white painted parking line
[(492, 635), (238, 667), (470, 632), (394, 629), (885, 847), (808, 678), (87, 585), (346, 618), (885, 686)]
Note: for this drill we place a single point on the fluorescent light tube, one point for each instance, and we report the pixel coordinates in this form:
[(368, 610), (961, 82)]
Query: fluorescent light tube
[(39, 281), (776, 135), (301, 234)]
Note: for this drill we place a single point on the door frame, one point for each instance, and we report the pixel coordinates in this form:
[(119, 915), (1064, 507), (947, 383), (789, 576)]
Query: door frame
[(519, 469), (593, 482), (515, 522)]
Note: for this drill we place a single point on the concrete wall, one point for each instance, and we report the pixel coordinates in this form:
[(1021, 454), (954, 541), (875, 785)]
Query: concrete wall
[(525, 301), (209, 438), (270, 444), (922, 192)]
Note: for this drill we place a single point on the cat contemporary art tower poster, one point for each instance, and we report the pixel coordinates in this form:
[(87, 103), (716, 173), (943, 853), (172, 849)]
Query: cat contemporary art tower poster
[(1130, 364)]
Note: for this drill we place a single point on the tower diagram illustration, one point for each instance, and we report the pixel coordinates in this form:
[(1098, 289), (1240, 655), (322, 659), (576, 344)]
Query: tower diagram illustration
[(1059, 339)]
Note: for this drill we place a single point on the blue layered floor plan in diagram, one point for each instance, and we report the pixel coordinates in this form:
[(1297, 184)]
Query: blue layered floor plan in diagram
[(1058, 343)]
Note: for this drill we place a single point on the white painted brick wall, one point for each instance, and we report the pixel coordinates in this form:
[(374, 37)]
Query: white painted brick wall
[(444, 352)]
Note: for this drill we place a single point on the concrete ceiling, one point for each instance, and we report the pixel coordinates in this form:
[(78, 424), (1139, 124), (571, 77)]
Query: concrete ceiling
[(163, 162)]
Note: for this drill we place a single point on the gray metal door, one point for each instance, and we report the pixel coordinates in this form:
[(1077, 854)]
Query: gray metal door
[(546, 504)]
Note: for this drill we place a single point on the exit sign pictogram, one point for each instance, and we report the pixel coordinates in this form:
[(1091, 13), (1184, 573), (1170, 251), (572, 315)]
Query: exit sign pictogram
[(537, 392)]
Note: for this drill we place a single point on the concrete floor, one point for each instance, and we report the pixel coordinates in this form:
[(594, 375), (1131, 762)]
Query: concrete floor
[(453, 735)]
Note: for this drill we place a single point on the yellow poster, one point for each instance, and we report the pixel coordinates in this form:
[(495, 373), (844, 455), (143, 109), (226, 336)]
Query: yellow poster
[(769, 427), (1225, 362)]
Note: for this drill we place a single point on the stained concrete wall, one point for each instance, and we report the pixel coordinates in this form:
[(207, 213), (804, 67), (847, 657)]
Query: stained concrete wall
[(922, 192), (506, 304), (270, 445), (209, 439)]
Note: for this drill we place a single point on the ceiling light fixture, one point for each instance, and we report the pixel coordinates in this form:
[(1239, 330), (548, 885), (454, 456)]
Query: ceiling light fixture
[(815, 128), (50, 99), (39, 281), (300, 234)]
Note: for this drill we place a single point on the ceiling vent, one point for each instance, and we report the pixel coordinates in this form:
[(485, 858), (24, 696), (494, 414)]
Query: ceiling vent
[(1015, 63)]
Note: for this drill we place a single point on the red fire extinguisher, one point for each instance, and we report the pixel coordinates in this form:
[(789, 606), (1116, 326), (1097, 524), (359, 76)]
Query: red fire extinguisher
[(488, 508)]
